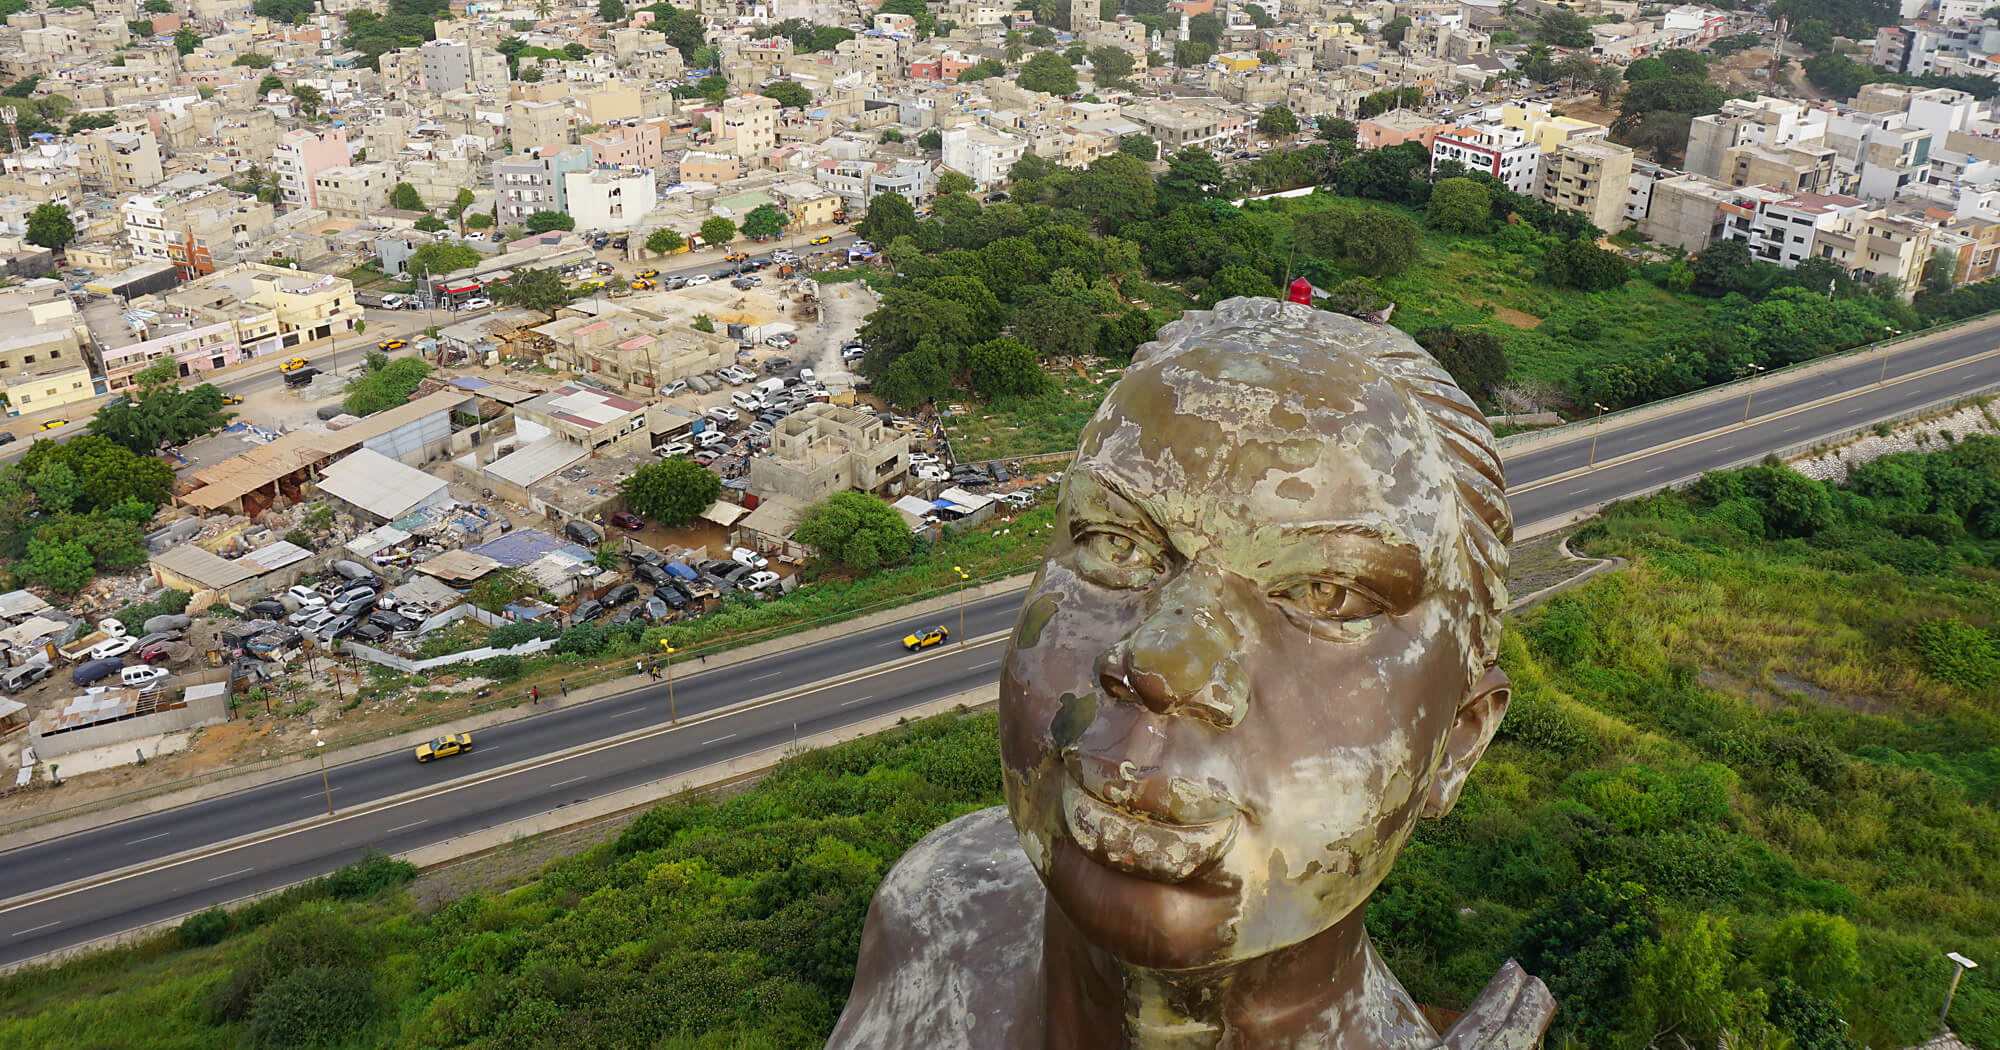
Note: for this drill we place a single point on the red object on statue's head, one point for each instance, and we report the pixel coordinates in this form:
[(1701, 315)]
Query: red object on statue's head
[(1301, 292)]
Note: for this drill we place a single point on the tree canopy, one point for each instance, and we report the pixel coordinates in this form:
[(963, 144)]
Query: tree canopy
[(717, 231), (545, 221), (441, 257), (788, 93), (1048, 73), (536, 289), (855, 531), (156, 413), (671, 492), (50, 226)]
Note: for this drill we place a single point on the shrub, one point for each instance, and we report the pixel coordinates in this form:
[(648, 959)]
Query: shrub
[(1955, 652), (510, 635), (204, 928), (500, 668), (584, 639), (374, 872), (313, 1007)]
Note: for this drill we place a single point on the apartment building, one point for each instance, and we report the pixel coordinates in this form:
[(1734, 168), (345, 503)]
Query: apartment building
[(809, 206), (1882, 153), (526, 183), (355, 191), (704, 166), (539, 126), (121, 161), (1878, 248), (980, 153), (1505, 153), (299, 159), (197, 228), (1176, 126), (194, 343), (1685, 211), (1590, 176), (1783, 228), (43, 361), (749, 126), (637, 146), (455, 65), (1776, 124), (613, 199), (632, 351)]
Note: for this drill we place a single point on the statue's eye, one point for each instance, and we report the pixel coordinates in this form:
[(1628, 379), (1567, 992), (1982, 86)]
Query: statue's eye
[(1115, 558), (1327, 600)]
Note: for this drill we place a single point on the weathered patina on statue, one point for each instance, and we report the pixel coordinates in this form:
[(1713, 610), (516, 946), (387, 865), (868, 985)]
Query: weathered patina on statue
[(1260, 649)]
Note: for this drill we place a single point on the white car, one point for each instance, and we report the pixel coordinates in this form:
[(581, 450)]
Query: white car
[(392, 302), (806, 377), (306, 596), (477, 302), (747, 402), (933, 472), (113, 647), (854, 353), (1019, 499), (143, 676), (746, 556), (678, 448), (723, 414), (922, 459), (678, 386), (700, 278), (738, 374), (759, 581)]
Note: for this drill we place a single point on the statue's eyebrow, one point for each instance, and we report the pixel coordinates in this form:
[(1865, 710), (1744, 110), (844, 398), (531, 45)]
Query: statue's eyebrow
[(1383, 561)]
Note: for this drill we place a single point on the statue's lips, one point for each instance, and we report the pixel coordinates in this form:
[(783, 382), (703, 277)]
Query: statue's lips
[(1143, 846)]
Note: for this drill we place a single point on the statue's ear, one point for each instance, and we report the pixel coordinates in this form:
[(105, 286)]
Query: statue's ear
[(1478, 719)]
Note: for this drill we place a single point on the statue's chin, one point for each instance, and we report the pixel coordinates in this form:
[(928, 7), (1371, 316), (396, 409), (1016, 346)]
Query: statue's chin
[(1143, 922)]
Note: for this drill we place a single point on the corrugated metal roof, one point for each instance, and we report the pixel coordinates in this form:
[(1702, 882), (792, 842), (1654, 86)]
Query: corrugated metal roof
[(380, 485), (191, 562), (531, 463)]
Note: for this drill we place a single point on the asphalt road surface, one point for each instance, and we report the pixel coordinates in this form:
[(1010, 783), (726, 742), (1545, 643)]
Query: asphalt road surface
[(803, 702)]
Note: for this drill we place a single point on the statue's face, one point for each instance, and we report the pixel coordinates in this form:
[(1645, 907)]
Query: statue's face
[(1227, 698)]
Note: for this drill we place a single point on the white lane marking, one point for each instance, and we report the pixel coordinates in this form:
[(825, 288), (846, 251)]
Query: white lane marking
[(572, 780), (1797, 426), (856, 700), (761, 677), (406, 827), (321, 793), (33, 929), (627, 711), (149, 838), (232, 874), (984, 666), (718, 740)]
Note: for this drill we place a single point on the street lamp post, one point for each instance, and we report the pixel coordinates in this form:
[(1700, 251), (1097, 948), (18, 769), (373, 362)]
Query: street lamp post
[(320, 746), (1594, 431), (1963, 964), (672, 715), (962, 577), (1752, 391)]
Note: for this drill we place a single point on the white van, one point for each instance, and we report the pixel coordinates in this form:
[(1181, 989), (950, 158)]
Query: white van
[(746, 402), (768, 388), (141, 675)]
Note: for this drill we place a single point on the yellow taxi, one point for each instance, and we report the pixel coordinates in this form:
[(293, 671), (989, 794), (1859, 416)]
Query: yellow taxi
[(231, 399), (926, 639), (647, 275), (292, 365), (644, 285), (54, 423), (587, 287), (736, 257), (822, 239), (387, 345), (445, 746)]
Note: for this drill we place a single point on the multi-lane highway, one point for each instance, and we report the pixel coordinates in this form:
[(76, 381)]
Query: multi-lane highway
[(520, 768)]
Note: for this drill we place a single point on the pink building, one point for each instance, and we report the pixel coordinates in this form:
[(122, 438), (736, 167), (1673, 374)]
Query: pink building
[(628, 147), (298, 160)]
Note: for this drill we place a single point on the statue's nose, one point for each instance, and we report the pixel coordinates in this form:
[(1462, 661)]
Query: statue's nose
[(1183, 657)]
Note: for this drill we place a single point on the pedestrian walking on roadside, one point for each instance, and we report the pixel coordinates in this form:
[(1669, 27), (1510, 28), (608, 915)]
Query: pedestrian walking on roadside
[(564, 683), (534, 694), (638, 667)]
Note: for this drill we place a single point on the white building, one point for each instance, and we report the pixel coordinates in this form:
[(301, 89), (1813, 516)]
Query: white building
[(981, 153), (1505, 153), (1783, 228), (612, 199)]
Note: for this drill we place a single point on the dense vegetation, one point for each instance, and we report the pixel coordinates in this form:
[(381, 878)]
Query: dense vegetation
[(1747, 785)]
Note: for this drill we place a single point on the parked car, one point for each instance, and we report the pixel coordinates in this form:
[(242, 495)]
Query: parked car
[(15, 679), (619, 595), (583, 532), (746, 402), (587, 610), (91, 670), (292, 364), (301, 377), (743, 282), (678, 386), (625, 519), (775, 365), (646, 556), (700, 278), (746, 556), (671, 594), (723, 414), (1019, 499), (369, 633), (821, 239), (392, 301), (677, 448), (853, 353), (389, 621), (674, 283), (760, 581), (113, 647), (656, 609), (705, 457), (477, 302), (652, 574), (268, 608)]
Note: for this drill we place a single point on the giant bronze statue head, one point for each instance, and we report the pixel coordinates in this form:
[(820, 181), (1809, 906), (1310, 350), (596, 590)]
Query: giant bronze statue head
[(1261, 646)]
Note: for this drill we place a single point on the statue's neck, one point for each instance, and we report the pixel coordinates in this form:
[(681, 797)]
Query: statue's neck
[(1329, 991)]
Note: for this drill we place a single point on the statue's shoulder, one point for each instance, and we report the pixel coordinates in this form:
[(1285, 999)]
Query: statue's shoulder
[(952, 943)]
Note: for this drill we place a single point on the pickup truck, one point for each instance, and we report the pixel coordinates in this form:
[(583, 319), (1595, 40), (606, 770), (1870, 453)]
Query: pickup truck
[(107, 629)]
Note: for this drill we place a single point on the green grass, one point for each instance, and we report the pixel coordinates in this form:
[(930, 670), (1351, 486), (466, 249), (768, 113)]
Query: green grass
[(1737, 728), (1013, 427)]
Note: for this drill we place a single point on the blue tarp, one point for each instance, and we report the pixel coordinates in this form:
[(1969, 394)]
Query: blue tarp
[(681, 570), (523, 546)]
